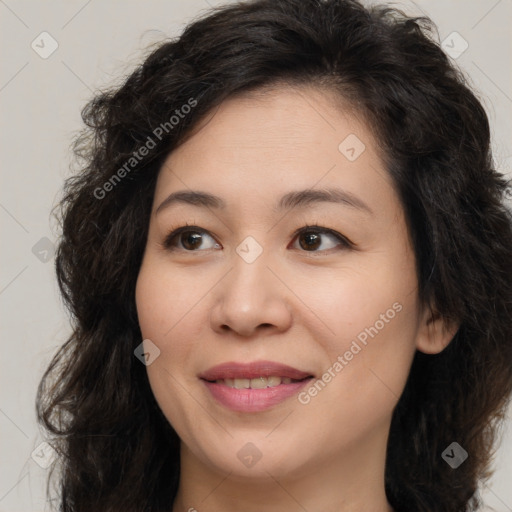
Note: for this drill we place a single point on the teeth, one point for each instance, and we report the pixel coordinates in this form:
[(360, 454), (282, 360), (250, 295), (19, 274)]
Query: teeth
[(257, 383), (241, 383), (274, 381)]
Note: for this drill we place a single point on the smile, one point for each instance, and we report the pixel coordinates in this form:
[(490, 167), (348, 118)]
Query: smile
[(255, 386)]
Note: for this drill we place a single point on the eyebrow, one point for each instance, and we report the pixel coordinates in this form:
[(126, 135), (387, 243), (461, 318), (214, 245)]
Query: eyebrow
[(294, 199)]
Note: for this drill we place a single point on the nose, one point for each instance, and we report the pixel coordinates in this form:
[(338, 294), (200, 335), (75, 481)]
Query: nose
[(251, 299)]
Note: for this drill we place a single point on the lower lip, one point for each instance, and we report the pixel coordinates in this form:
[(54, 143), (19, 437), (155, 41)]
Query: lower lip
[(253, 400)]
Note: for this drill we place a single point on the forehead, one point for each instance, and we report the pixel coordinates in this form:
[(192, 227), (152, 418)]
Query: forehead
[(277, 121), (272, 141)]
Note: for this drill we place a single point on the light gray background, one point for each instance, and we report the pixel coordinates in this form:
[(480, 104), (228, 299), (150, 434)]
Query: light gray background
[(40, 102)]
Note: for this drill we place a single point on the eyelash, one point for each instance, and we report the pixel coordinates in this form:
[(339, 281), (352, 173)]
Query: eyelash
[(169, 245)]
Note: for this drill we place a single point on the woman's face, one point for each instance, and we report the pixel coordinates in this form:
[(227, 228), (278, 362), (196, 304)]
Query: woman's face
[(251, 288)]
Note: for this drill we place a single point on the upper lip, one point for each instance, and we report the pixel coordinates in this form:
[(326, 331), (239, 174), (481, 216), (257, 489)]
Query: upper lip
[(234, 370)]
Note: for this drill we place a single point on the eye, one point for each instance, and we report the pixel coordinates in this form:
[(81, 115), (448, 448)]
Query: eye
[(310, 239), (189, 238)]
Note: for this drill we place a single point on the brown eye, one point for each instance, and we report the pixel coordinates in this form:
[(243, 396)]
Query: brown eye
[(188, 239), (312, 238)]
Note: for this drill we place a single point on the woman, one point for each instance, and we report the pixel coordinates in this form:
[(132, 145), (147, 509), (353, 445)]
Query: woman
[(288, 263)]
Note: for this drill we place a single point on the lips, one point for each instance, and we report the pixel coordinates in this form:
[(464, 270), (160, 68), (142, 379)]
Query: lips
[(253, 387), (254, 370)]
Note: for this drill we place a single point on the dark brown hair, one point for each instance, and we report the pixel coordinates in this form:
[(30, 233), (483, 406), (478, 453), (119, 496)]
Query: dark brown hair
[(117, 450)]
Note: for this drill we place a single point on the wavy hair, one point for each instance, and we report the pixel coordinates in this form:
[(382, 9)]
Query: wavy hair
[(117, 452)]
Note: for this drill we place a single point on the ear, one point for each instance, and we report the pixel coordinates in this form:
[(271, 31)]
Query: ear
[(435, 332)]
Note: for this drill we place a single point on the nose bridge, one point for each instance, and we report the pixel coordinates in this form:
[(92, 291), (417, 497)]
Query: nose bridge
[(250, 271), (250, 295)]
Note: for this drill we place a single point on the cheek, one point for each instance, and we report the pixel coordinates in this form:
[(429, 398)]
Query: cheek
[(374, 319), (170, 315), (165, 301), (375, 295), (166, 317)]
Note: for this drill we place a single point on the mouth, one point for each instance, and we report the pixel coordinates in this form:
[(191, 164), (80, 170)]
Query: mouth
[(258, 382), (253, 387), (256, 370)]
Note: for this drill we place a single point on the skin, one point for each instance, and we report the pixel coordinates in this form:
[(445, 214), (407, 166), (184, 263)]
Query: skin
[(295, 305)]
